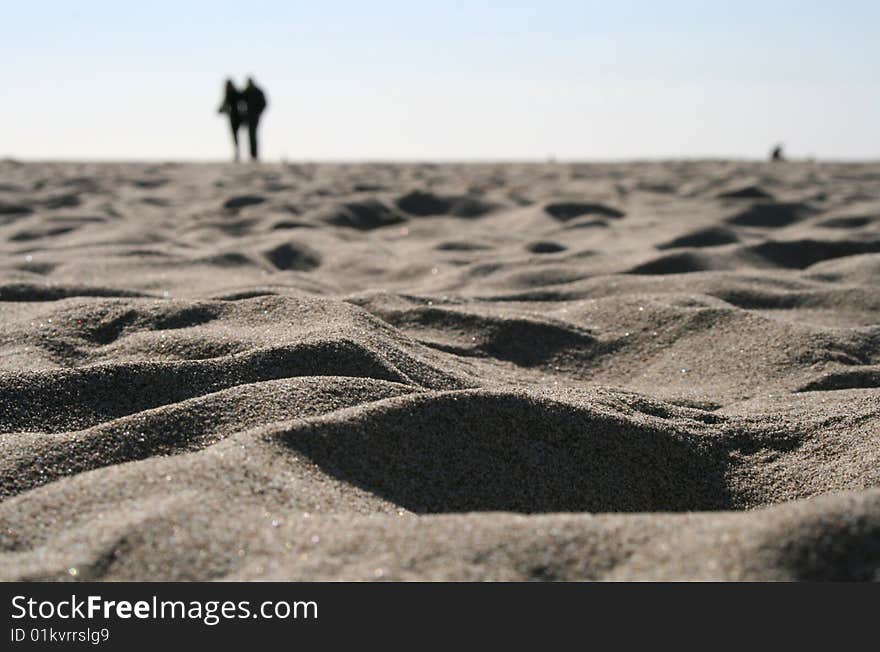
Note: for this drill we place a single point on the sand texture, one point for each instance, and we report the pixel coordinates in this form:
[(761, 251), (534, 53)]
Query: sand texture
[(440, 372)]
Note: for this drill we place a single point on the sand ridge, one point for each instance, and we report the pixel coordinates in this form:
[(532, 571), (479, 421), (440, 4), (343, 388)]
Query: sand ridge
[(509, 371)]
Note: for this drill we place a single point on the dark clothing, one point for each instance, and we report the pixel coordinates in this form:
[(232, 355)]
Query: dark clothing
[(233, 106), (252, 137), (255, 101), (234, 126)]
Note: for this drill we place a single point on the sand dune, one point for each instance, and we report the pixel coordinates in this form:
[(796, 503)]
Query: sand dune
[(508, 372)]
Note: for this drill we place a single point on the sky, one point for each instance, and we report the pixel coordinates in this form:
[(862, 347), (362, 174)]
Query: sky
[(454, 80)]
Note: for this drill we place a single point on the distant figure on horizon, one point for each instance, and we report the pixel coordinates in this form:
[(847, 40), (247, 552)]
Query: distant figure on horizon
[(776, 154), (233, 105), (255, 102)]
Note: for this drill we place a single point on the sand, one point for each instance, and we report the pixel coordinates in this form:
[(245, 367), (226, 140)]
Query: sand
[(440, 372)]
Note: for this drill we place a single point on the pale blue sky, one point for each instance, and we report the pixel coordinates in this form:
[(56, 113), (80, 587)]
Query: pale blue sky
[(444, 80)]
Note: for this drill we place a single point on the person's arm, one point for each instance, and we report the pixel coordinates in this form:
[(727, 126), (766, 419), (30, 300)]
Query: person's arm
[(225, 104), (259, 101)]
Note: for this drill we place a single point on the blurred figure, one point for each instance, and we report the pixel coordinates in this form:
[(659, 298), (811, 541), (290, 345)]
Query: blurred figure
[(776, 154), (233, 106), (255, 103)]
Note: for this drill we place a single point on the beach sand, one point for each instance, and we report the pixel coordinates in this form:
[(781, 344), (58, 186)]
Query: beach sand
[(640, 371)]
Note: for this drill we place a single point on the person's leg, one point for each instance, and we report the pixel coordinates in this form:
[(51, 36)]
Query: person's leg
[(252, 135), (234, 126)]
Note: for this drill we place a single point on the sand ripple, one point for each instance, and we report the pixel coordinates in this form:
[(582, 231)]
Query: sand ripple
[(509, 372)]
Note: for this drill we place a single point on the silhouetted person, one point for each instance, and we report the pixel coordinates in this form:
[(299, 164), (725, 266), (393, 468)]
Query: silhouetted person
[(255, 101), (233, 106), (776, 154)]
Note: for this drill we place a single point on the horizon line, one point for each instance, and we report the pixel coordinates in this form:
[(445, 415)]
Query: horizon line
[(442, 160)]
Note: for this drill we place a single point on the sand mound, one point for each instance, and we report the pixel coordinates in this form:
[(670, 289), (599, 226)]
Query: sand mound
[(514, 372), (712, 236), (800, 254), (426, 203), (240, 201), (746, 192), (545, 247), (772, 215), (677, 263), (291, 255), (565, 211), (364, 215), (7, 208), (849, 222)]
